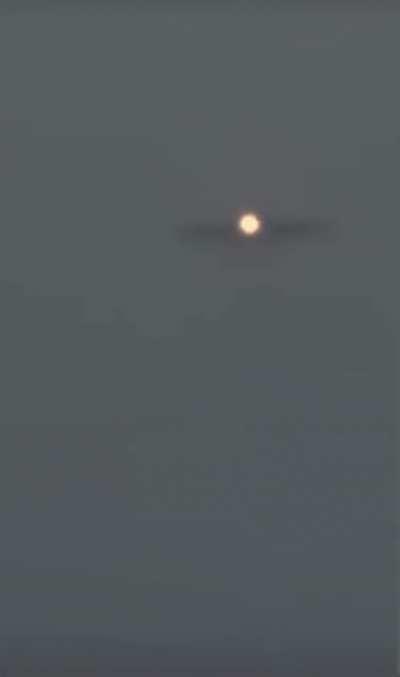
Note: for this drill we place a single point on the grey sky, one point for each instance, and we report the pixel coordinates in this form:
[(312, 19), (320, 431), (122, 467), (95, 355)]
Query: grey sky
[(198, 442)]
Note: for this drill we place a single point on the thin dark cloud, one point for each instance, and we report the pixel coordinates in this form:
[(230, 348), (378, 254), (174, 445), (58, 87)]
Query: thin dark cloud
[(277, 234)]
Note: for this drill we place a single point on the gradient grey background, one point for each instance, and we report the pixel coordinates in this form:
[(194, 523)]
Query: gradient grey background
[(197, 442)]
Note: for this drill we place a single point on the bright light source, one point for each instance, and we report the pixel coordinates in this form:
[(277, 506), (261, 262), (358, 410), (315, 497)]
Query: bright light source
[(249, 224)]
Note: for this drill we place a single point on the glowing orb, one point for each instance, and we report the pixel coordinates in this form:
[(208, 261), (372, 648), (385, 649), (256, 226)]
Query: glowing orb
[(249, 225)]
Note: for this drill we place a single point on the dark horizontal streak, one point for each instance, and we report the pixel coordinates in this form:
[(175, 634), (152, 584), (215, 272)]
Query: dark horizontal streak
[(278, 234)]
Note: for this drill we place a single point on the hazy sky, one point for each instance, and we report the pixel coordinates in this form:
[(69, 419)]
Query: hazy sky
[(197, 441)]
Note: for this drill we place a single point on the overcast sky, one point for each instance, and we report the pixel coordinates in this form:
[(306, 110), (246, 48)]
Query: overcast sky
[(197, 440)]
